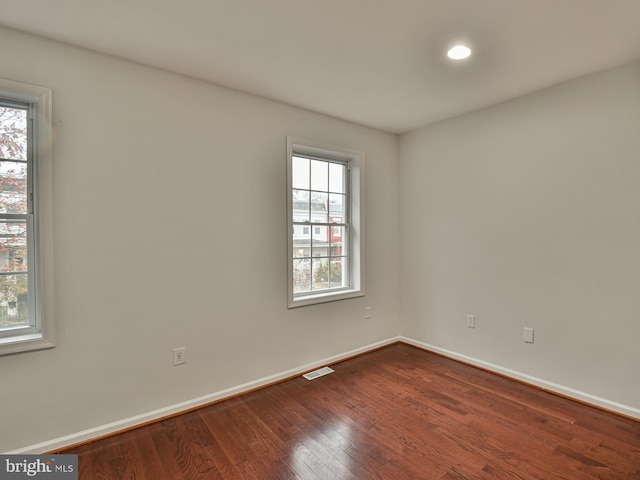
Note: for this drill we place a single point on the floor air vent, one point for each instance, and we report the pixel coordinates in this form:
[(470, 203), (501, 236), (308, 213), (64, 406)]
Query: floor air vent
[(318, 373)]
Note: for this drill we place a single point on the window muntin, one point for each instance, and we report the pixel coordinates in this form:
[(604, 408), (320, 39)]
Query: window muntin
[(325, 252), (25, 180), (318, 193)]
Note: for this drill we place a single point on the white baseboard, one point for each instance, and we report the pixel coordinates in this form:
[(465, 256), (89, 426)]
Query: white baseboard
[(110, 428), (538, 382), (117, 426)]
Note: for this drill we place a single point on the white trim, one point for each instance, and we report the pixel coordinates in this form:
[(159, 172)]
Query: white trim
[(544, 384), (43, 227), (114, 427), (102, 430), (356, 235)]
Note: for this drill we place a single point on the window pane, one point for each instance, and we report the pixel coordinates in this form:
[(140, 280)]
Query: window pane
[(301, 275), (13, 133), (336, 177), (300, 173), (14, 305), (13, 246), (320, 274), (13, 187), (320, 242), (319, 203), (337, 239), (337, 278), (319, 175), (336, 207), (300, 205), (301, 242)]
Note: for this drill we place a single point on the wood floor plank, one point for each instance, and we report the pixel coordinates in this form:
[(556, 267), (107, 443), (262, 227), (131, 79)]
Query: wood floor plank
[(395, 413)]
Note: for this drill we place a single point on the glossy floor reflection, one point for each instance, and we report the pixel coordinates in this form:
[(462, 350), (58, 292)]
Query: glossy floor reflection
[(396, 413)]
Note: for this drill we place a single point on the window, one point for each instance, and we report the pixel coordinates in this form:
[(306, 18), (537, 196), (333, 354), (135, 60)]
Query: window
[(25, 178), (324, 193)]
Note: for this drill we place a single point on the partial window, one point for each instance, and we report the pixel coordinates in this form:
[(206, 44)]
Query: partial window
[(324, 194), (24, 146)]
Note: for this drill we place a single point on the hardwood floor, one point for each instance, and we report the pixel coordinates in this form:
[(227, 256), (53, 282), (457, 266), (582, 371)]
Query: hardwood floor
[(396, 413)]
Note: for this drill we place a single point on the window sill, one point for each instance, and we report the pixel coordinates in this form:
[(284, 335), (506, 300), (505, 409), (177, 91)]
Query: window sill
[(317, 298), (24, 343)]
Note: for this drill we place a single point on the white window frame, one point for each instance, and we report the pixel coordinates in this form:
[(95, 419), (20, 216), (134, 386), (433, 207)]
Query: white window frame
[(355, 161), (41, 334)]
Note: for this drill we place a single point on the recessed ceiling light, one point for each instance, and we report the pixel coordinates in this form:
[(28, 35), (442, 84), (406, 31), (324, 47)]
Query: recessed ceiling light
[(459, 52)]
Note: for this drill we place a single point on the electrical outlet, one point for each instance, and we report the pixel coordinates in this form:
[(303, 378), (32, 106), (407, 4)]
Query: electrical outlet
[(528, 335), (179, 356), (367, 312), (471, 321)]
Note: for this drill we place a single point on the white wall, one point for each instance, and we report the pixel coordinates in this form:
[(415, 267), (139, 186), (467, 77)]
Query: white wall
[(528, 214), (167, 194)]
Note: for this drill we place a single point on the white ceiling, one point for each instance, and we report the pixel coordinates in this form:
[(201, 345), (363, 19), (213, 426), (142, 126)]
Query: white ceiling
[(379, 63)]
